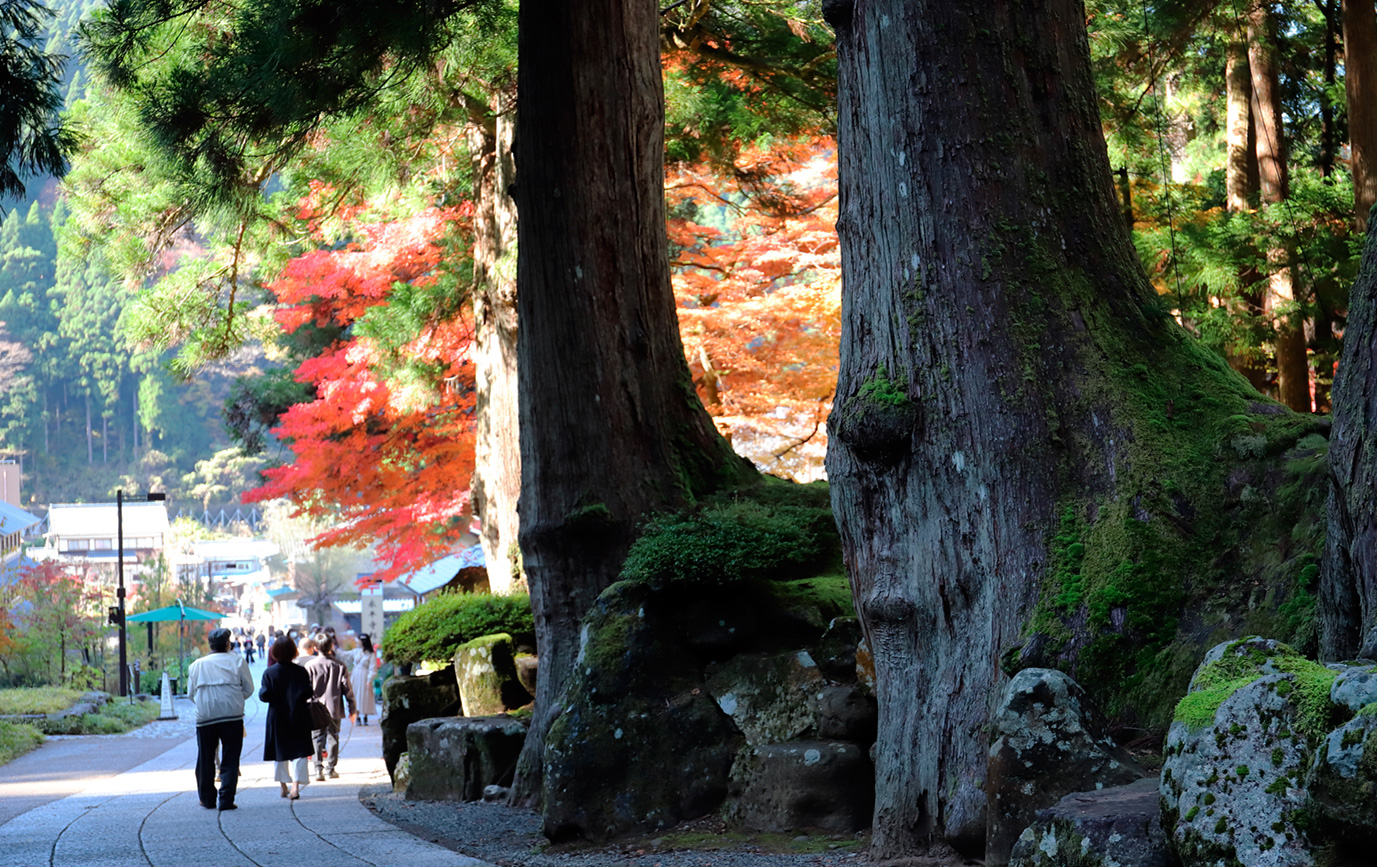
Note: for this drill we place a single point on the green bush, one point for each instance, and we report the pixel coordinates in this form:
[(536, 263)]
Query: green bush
[(435, 629), (37, 699), (783, 531)]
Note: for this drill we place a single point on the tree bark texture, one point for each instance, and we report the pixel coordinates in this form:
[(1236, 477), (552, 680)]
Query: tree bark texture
[(998, 333), (1348, 572), (1279, 300), (497, 445), (1360, 82), (611, 428)]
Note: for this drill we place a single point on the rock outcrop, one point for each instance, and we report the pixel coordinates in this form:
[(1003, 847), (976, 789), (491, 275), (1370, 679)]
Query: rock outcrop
[(771, 697), (1049, 742), (1113, 827)]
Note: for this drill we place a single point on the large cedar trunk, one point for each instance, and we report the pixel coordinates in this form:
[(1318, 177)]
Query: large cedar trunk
[(611, 428), (997, 330), (1360, 81), (1348, 572), (1293, 370), (497, 449)]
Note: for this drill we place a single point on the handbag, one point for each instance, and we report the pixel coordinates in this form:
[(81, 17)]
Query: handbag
[(321, 718)]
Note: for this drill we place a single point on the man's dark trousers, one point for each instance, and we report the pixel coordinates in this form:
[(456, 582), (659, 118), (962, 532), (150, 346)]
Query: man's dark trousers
[(327, 747), (229, 736)]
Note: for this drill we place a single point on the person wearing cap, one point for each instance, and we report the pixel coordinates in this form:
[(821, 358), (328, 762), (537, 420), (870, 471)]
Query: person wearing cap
[(218, 684)]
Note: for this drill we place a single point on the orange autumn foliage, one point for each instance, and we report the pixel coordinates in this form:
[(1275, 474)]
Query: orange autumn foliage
[(385, 463), (757, 278)]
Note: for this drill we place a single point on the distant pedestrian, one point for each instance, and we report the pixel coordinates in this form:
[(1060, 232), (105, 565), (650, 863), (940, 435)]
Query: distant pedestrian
[(218, 684), (248, 649), (331, 687), (287, 741), (365, 668), (262, 642)]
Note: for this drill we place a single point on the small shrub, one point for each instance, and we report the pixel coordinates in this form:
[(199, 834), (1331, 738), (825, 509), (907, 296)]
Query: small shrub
[(435, 629), (731, 542), (114, 718), (16, 739)]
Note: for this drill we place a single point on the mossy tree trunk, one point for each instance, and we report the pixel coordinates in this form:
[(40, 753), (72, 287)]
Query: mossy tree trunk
[(611, 428), (1348, 572), (1015, 406)]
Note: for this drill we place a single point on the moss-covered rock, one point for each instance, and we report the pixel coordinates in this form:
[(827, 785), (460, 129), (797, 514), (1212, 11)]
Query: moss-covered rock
[(1113, 827), (771, 697), (456, 758), (410, 699), (1049, 742), (1238, 753), (488, 682), (1342, 783), (641, 745)]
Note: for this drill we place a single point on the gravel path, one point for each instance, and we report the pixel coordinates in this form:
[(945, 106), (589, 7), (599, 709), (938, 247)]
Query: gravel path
[(509, 837)]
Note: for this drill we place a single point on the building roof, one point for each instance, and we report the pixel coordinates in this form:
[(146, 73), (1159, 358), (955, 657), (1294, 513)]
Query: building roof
[(99, 519), (442, 571), (14, 519), (390, 606)]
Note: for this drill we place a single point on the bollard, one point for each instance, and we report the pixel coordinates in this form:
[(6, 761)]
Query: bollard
[(165, 708)]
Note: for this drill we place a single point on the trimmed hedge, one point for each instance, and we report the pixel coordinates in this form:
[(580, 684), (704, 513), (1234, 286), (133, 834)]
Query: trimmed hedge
[(435, 629)]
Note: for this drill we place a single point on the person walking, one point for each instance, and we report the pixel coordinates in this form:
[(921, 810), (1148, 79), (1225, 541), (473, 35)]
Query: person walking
[(365, 668), (218, 684), (331, 687), (248, 647), (286, 687), (262, 641)]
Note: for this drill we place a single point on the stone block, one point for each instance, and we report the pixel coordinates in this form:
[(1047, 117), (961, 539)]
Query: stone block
[(772, 698), (1115, 827), (411, 699), (485, 672), (456, 758), (823, 785)]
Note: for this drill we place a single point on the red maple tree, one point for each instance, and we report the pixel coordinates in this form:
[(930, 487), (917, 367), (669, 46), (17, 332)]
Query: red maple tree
[(757, 276), (383, 455)]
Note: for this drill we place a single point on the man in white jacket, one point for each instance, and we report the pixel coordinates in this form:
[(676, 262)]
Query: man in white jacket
[(218, 684)]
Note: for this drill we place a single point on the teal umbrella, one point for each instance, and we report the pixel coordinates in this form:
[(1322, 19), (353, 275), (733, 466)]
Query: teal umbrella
[(173, 612), (177, 612)]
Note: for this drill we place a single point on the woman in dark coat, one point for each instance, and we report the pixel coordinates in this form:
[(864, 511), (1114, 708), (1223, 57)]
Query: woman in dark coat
[(286, 688)]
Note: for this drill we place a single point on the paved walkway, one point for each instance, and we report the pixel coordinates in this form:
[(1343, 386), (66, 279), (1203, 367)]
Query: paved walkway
[(130, 802)]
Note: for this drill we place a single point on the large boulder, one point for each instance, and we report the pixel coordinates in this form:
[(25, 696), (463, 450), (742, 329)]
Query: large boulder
[(1355, 687), (1237, 756), (1115, 827), (487, 678), (821, 785), (771, 697), (410, 699), (845, 713), (640, 745), (1048, 743), (456, 758), (1342, 784)]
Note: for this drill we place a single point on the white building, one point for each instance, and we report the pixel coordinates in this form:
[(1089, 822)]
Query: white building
[(87, 533)]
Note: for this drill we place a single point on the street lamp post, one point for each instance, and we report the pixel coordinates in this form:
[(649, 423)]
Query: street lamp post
[(119, 570)]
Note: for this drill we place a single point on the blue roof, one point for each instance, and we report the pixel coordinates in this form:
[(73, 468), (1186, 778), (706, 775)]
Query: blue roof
[(442, 571), (14, 519)]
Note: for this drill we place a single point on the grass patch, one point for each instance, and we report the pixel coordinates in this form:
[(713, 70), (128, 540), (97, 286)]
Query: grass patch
[(115, 718), (37, 699), (16, 739)]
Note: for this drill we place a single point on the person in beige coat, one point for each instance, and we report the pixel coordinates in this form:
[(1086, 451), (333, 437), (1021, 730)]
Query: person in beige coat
[(330, 686)]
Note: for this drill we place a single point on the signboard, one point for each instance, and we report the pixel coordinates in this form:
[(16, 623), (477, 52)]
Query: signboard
[(371, 599)]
